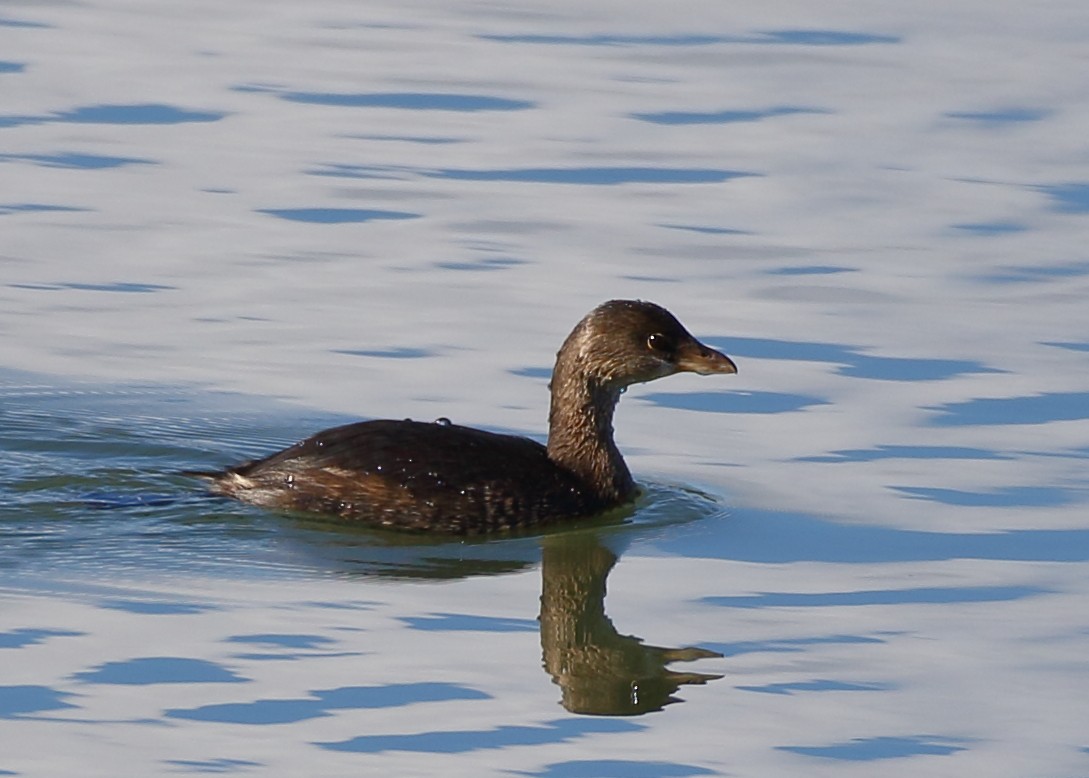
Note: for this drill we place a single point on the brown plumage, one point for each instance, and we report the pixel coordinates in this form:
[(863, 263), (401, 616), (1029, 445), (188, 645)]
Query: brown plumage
[(446, 478)]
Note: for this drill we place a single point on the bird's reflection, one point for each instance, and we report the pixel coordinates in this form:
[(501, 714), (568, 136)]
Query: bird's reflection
[(599, 670)]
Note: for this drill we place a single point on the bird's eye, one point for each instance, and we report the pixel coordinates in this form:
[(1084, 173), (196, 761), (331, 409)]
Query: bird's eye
[(658, 343)]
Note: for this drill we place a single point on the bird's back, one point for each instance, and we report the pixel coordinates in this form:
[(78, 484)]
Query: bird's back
[(415, 475)]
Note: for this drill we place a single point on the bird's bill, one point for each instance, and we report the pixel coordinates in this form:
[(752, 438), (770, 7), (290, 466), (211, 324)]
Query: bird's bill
[(704, 360)]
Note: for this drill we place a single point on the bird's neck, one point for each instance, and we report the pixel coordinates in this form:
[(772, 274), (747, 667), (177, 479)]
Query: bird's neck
[(580, 432)]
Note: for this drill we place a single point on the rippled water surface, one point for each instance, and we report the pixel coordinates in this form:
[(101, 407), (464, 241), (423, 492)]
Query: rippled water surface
[(226, 226)]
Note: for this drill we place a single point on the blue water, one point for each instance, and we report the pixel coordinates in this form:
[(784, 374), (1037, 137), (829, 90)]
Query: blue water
[(227, 228), (152, 113)]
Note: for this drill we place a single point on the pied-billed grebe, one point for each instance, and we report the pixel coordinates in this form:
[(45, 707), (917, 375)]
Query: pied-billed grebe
[(442, 477)]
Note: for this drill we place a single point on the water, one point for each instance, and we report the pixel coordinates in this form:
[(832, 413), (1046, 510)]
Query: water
[(228, 226)]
